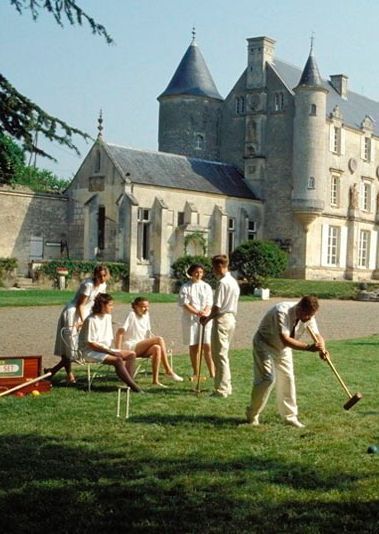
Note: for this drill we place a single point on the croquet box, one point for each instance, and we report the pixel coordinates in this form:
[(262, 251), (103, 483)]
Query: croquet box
[(16, 370)]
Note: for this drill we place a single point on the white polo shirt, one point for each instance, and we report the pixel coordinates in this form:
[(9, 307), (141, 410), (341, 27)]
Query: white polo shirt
[(227, 294)]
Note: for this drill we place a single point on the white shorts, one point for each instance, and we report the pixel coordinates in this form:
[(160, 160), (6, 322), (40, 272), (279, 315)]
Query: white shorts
[(130, 344), (93, 356)]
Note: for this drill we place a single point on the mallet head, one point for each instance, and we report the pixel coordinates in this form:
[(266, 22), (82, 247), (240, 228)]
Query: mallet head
[(353, 400)]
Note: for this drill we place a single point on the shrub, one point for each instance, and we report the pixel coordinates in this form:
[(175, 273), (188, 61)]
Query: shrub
[(7, 267), (180, 266), (80, 269), (255, 261)]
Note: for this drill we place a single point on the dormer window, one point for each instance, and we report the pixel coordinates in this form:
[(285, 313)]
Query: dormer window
[(97, 161)]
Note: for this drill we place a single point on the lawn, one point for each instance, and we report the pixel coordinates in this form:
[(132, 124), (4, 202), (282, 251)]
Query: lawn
[(279, 287), (187, 463)]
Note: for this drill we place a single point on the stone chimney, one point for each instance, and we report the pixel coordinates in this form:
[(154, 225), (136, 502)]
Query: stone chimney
[(339, 82), (260, 51)]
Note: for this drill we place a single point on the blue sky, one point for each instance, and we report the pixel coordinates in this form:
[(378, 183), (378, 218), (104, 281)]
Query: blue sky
[(72, 74)]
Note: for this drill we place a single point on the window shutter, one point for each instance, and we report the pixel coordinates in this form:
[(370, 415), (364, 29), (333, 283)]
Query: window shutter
[(343, 247), (363, 147), (331, 137), (324, 244), (373, 246), (343, 140)]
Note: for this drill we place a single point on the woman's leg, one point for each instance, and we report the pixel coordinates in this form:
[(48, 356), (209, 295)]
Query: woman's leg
[(66, 363), (193, 350), (121, 371), (148, 349)]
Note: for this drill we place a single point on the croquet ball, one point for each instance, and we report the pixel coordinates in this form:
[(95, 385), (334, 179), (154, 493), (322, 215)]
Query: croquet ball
[(373, 449), (35, 392), (19, 394)]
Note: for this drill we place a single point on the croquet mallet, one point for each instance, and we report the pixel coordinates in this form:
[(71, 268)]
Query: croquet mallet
[(353, 399), (199, 357), (24, 384)]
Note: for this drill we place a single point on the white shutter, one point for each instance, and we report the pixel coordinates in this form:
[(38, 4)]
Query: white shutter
[(362, 147), (324, 244), (343, 247), (343, 141), (373, 246), (331, 137)]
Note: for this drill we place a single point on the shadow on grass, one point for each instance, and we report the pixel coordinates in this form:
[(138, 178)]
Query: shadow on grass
[(46, 485)]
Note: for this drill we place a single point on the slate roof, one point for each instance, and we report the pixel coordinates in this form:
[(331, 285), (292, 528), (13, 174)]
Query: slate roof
[(192, 77), (310, 75), (161, 169), (354, 108)]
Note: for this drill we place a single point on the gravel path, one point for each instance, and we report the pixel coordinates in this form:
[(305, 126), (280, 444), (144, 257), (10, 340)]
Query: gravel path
[(30, 331)]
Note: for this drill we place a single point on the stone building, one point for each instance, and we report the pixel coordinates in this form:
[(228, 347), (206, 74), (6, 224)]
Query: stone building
[(286, 156), (306, 148)]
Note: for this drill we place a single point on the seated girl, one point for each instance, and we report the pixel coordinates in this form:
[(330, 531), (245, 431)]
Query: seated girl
[(95, 341), (135, 334)]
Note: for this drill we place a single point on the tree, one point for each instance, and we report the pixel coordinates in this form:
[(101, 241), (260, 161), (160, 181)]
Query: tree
[(13, 169), (258, 260), (21, 118)]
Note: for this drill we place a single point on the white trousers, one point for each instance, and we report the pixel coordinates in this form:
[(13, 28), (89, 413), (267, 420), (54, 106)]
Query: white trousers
[(273, 367), (222, 334)]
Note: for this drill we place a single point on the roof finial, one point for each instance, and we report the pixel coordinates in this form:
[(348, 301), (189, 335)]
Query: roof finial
[(100, 124), (193, 34), (312, 41)]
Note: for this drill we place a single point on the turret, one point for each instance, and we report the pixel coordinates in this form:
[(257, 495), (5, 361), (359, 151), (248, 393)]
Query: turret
[(309, 144), (189, 109)]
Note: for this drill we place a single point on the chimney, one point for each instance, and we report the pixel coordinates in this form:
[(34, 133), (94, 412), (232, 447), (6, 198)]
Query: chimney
[(260, 51), (339, 82)]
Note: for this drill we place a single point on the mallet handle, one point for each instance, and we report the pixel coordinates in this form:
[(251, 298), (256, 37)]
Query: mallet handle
[(24, 384), (199, 356), (329, 362)]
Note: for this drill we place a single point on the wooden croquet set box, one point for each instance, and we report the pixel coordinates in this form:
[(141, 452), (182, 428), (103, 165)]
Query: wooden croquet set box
[(17, 370)]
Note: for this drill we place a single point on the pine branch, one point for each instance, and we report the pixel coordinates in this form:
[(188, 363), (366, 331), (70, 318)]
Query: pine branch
[(23, 119), (61, 10)]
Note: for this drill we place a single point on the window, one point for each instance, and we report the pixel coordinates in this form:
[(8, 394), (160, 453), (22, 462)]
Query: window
[(363, 248), (180, 218), (101, 228), (231, 234), (311, 182), (336, 140), (143, 234), (366, 197), (367, 149), (199, 142), (240, 105), (251, 230), (334, 190), (333, 245), (278, 101), (313, 110)]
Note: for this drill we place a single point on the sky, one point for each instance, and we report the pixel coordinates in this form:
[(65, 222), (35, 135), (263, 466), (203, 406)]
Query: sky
[(72, 73)]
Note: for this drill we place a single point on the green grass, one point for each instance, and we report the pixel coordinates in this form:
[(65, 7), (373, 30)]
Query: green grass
[(324, 289), (50, 297), (183, 463), (280, 287)]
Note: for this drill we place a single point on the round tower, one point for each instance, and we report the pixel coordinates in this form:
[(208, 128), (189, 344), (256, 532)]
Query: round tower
[(309, 144), (189, 109)]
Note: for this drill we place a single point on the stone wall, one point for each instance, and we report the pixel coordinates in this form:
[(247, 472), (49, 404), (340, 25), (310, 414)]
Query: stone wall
[(32, 225)]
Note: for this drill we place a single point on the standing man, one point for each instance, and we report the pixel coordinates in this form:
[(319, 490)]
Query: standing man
[(273, 342), (223, 313)]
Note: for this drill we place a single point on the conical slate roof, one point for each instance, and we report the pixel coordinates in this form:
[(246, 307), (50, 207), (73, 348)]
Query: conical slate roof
[(192, 77), (311, 75)]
